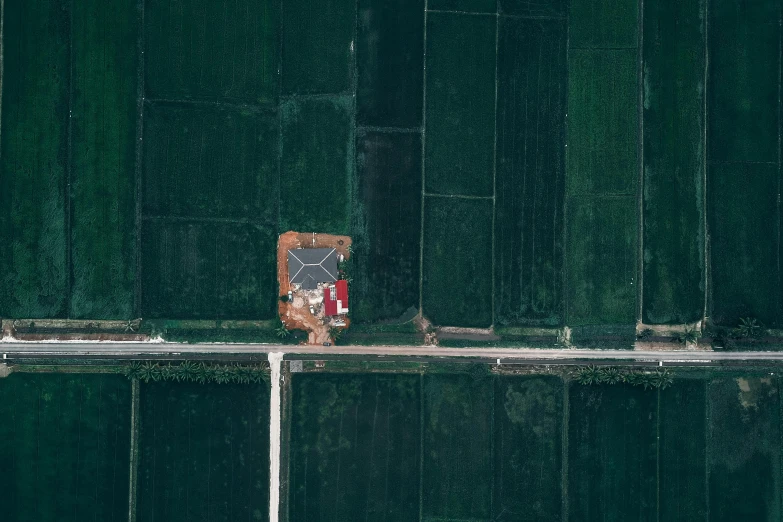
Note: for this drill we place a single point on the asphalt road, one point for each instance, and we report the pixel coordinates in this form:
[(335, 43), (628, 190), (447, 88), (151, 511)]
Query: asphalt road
[(77, 350)]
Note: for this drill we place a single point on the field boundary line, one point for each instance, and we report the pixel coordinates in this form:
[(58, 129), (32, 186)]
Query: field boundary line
[(134, 450), (459, 196), (633, 48), (389, 130), (452, 11), (2, 68), (742, 162), (564, 231), (495, 174), (69, 171), (706, 276), (423, 162), (139, 152), (640, 159), (315, 96), (562, 18), (780, 54), (564, 451), (187, 219), (275, 360), (254, 107), (421, 447), (597, 195)]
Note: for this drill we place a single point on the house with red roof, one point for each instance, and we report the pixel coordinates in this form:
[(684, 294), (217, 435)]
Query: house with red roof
[(336, 298)]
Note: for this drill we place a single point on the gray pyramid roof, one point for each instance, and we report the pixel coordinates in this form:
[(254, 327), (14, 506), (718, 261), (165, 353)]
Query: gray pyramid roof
[(310, 266)]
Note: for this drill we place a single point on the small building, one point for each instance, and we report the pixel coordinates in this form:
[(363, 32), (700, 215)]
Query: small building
[(336, 298), (309, 266)]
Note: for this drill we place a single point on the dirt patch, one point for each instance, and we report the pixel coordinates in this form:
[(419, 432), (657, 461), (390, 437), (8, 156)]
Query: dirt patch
[(296, 314), (5, 370), (751, 390)]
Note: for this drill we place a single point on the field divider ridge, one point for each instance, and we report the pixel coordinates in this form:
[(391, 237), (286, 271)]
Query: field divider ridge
[(450, 11), (564, 450), (202, 219), (423, 161), (389, 130), (139, 151), (134, 450), (704, 199), (495, 176), (222, 104), (640, 180), (69, 171), (459, 196)]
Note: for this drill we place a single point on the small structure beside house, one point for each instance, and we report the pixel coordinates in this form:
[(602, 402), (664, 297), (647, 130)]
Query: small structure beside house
[(309, 266), (336, 298)]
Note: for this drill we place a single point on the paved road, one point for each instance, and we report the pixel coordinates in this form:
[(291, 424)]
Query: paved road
[(74, 350)]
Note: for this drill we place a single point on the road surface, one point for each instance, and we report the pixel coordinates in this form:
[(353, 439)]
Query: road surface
[(77, 350)]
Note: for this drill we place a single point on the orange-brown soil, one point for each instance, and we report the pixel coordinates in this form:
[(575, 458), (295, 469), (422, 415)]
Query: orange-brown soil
[(299, 317)]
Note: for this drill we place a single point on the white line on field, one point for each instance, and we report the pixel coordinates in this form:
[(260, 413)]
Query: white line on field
[(274, 438)]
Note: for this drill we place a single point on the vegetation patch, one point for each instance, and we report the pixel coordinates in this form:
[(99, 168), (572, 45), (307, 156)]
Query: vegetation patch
[(208, 270), (205, 50), (318, 47), (67, 435), (34, 280), (390, 63), (387, 231), (103, 137), (355, 447), (457, 262), (203, 452), (317, 167), (211, 162), (530, 187), (460, 130), (199, 372), (674, 149)]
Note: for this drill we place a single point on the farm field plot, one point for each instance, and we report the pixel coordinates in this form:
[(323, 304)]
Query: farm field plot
[(457, 279), (387, 235), (743, 176), (318, 46), (208, 270), (469, 6), (390, 63), (602, 122), (205, 50), (612, 453), (355, 444), (745, 446), (33, 260), (600, 24), (460, 108), (601, 260), (458, 427), (682, 450), (204, 452), (103, 135), (743, 81), (64, 447), (745, 269), (674, 148), (530, 171), (533, 8), (211, 162), (318, 165), (528, 448)]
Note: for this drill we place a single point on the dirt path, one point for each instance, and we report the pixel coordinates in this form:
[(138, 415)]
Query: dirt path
[(296, 315), (275, 360)]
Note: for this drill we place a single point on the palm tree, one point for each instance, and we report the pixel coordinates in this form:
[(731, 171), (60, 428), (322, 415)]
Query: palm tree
[(748, 327), (281, 331)]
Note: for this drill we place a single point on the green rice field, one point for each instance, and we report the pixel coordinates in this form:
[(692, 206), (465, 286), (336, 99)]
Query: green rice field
[(593, 164), (532, 447)]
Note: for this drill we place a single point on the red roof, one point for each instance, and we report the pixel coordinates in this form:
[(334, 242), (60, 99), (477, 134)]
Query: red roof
[(336, 298)]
